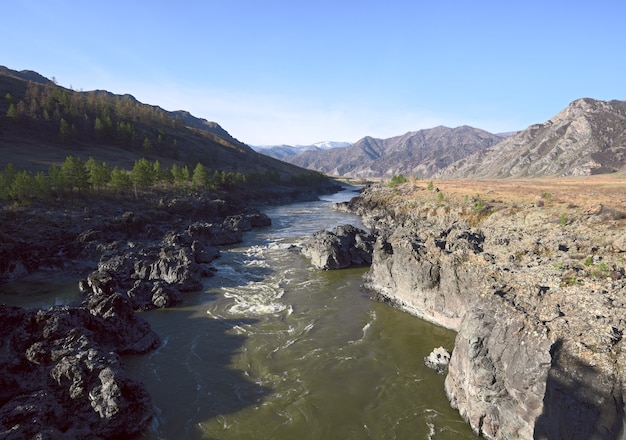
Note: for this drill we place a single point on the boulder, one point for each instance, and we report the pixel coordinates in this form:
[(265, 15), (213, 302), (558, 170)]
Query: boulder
[(438, 359), (340, 248)]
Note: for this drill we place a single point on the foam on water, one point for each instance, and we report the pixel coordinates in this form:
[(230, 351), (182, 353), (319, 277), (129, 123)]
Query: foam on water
[(301, 353)]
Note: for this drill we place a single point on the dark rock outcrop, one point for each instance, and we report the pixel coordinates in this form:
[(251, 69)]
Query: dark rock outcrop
[(340, 248), (155, 274), (62, 374)]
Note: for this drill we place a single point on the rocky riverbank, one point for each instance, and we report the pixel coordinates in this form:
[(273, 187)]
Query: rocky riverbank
[(62, 374), (533, 284)]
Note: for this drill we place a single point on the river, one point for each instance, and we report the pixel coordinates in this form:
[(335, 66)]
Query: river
[(274, 349)]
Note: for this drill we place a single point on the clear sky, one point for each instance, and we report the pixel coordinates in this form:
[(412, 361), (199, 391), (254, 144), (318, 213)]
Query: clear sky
[(297, 72)]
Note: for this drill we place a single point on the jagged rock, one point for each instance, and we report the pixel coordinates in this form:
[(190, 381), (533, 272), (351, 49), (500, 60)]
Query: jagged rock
[(343, 247), (438, 359), (62, 374), (257, 218), (213, 234)]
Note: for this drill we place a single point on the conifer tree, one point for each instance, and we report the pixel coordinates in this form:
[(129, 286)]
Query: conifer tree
[(120, 180), (142, 174), (200, 177)]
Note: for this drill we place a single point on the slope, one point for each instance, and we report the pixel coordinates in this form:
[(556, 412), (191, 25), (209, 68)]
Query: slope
[(421, 153), (587, 137), (42, 123)]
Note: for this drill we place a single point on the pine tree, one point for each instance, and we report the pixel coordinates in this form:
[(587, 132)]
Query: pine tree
[(120, 180), (75, 174), (99, 173), (6, 180), (22, 188), (57, 180), (142, 174), (42, 186), (200, 177), (12, 112), (65, 132)]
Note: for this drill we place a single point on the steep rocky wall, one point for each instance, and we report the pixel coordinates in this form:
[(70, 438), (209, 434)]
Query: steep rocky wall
[(538, 306)]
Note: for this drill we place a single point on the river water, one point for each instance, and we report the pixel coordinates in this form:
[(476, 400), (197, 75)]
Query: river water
[(275, 349)]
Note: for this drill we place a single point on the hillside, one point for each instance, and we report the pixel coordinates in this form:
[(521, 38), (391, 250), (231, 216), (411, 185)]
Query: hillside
[(42, 123), (421, 153), (587, 137)]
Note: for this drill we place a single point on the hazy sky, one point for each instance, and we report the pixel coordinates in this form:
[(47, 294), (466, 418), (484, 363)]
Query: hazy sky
[(296, 72)]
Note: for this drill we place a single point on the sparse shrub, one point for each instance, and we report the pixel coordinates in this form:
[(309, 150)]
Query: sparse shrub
[(588, 261), (398, 180), (563, 220), (601, 270), (440, 196), (479, 205), (569, 281), (547, 195), (431, 186)]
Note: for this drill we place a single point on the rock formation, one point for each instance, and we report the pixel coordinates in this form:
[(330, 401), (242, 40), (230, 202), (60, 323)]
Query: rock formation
[(342, 247), (537, 303), (62, 374), (154, 274)]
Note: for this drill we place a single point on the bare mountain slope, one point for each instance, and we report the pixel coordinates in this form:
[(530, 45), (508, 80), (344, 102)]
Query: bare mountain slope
[(421, 153), (587, 137)]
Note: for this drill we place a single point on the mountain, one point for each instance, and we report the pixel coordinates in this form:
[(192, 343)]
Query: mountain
[(42, 123), (587, 137), (283, 151), (421, 153)]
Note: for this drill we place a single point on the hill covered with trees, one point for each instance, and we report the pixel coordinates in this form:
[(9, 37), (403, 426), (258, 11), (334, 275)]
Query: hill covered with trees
[(55, 140)]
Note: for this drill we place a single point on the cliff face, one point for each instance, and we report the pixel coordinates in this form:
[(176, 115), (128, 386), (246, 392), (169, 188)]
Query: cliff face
[(537, 302)]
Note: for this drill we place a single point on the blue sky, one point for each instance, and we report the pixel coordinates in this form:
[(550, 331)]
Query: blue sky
[(273, 72)]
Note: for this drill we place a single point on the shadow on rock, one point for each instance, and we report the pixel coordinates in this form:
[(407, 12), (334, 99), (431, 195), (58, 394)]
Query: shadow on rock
[(580, 402)]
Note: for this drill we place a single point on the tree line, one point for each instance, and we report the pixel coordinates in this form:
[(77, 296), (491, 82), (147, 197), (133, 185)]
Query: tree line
[(75, 176), (96, 115)]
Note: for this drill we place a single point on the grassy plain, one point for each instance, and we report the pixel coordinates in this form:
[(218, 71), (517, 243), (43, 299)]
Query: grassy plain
[(570, 196)]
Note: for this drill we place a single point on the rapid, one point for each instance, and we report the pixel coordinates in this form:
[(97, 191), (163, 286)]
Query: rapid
[(275, 349)]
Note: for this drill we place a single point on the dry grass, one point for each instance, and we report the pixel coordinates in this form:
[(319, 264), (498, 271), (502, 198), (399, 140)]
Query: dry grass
[(571, 197), (587, 192)]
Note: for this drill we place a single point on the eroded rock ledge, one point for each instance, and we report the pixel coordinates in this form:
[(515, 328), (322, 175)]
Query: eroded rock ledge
[(538, 303), (62, 376)]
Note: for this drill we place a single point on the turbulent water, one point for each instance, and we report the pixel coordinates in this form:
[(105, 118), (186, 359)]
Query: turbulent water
[(275, 349)]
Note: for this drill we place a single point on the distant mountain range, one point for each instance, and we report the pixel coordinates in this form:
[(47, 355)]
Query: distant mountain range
[(587, 137), (284, 151), (419, 153), (41, 123)]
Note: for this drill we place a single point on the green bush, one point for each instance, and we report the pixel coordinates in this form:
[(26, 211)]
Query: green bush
[(397, 180)]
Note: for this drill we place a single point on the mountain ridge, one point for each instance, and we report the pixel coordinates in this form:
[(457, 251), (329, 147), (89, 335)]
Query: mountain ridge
[(284, 150), (421, 153), (42, 123), (586, 137)]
